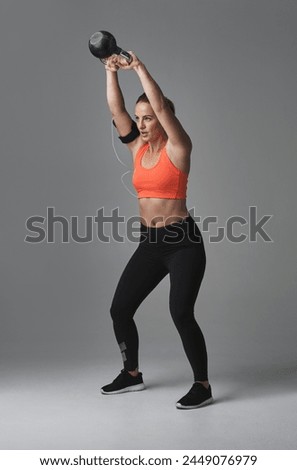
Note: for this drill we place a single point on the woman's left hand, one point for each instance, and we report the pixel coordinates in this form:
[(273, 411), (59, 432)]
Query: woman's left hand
[(123, 64)]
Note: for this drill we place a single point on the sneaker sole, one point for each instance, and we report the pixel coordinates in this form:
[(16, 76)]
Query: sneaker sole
[(131, 388), (191, 407)]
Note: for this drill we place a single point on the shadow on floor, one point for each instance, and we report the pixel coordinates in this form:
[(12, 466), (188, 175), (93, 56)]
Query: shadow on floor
[(248, 381), (260, 381)]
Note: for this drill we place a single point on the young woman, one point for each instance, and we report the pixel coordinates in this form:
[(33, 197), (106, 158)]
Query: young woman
[(170, 240)]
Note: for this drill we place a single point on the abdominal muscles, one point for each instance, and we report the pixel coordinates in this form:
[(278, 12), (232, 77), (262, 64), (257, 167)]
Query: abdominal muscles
[(157, 212)]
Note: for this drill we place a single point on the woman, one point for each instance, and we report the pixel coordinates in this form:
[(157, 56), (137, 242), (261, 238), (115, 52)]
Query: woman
[(170, 241)]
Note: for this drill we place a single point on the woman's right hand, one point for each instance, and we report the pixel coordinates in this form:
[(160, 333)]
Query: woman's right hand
[(124, 65), (111, 63)]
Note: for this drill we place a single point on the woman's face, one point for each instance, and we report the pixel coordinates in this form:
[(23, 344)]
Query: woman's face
[(147, 122)]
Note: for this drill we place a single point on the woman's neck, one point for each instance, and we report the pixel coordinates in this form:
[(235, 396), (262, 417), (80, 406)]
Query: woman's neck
[(156, 146)]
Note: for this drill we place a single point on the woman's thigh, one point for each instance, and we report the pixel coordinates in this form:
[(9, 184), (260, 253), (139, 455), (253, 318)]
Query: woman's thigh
[(141, 275), (186, 270)]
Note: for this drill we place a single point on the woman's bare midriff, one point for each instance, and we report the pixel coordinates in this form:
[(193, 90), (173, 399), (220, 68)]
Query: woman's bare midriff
[(157, 212)]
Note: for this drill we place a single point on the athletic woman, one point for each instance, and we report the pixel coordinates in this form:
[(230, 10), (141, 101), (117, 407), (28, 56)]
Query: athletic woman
[(170, 241)]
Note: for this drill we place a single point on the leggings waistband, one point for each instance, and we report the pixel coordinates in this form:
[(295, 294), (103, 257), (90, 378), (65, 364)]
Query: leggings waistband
[(164, 228), (171, 233)]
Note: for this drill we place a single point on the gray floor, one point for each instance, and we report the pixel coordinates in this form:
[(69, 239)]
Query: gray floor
[(60, 407)]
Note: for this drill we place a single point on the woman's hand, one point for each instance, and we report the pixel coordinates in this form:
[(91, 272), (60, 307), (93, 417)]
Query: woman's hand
[(111, 63), (125, 65)]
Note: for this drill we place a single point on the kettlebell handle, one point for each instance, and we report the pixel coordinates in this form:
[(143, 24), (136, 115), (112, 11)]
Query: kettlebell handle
[(126, 55)]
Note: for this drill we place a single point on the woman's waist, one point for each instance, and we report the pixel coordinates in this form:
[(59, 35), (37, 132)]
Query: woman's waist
[(159, 212)]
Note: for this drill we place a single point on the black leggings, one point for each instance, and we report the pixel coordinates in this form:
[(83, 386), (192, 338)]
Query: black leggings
[(177, 249)]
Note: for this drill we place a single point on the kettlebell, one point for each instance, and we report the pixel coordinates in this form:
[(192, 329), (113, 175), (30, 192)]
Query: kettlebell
[(103, 44)]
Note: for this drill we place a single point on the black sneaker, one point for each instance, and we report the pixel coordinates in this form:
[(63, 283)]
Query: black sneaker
[(196, 397), (124, 382)]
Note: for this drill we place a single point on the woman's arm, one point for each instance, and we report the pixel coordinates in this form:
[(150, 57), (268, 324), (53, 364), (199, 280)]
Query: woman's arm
[(177, 136), (115, 101)]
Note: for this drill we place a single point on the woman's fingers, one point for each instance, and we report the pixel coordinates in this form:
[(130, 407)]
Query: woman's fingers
[(133, 55), (113, 68), (115, 62), (124, 64), (111, 63)]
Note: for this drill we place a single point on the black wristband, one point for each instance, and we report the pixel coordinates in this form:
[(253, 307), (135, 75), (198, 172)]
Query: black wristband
[(132, 134)]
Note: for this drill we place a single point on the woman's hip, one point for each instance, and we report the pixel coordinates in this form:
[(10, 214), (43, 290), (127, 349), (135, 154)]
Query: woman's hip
[(177, 234)]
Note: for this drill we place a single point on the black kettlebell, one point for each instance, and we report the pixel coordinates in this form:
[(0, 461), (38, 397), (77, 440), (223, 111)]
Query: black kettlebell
[(103, 44)]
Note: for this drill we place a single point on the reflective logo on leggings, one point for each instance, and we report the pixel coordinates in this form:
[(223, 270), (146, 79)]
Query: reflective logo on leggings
[(124, 357), (123, 346)]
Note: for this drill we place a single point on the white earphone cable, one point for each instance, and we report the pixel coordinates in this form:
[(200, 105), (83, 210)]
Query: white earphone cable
[(116, 154)]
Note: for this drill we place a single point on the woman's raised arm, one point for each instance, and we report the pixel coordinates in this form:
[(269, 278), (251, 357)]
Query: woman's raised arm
[(115, 100)]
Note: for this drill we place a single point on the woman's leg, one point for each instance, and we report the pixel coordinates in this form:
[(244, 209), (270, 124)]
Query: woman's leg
[(141, 275), (186, 271)]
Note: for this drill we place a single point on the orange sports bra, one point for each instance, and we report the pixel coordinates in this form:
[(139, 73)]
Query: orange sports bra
[(163, 180)]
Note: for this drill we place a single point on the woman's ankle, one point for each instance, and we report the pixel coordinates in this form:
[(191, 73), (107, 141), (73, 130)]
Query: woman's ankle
[(134, 373), (205, 383)]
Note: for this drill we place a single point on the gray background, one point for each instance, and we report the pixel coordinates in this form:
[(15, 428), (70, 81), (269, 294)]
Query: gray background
[(230, 67)]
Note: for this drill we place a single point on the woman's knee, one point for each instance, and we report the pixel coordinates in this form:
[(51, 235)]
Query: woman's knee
[(182, 317), (120, 313), (116, 312)]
